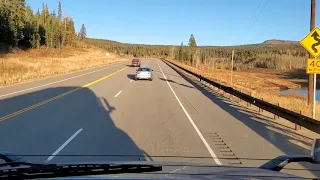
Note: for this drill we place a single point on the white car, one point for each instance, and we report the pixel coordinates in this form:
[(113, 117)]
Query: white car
[(144, 73)]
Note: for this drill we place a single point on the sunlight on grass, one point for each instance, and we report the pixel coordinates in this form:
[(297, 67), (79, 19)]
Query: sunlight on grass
[(25, 65)]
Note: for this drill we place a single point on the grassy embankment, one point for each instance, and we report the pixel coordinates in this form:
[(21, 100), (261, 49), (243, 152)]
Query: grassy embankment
[(19, 66), (264, 84)]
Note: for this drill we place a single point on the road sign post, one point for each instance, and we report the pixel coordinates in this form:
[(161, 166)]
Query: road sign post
[(311, 76), (314, 96), (311, 43), (313, 67)]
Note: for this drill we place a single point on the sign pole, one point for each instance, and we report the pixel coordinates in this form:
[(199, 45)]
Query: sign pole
[(311, 76), (232, 66), (314, 96)]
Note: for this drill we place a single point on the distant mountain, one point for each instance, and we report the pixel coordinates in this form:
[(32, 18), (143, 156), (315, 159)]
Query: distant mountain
[(279, 42), (271, 42)]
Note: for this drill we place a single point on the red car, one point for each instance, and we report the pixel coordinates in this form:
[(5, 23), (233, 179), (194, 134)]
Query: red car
[(135, 63)]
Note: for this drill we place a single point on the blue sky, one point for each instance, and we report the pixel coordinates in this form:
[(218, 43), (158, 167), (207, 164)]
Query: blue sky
[(213, 22)]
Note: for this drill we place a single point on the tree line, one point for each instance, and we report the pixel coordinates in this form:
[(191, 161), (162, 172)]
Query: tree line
[(272, 56), (21, 27)]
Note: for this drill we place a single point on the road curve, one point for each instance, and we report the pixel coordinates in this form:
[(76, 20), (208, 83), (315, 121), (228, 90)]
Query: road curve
[(104, 111)]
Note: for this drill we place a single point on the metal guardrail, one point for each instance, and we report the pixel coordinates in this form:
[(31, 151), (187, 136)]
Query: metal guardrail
[(304, 121)]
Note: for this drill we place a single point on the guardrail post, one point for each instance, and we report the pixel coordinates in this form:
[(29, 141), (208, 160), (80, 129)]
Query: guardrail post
[(275, 116), (262, 109), (248, 104), (296, 126), (278, 116)]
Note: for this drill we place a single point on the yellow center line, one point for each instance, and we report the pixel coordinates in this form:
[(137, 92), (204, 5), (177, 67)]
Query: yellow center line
[(58, 97)]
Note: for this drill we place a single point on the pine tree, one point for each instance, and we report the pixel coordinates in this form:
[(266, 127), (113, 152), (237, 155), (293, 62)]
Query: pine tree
[(16, 14), (20, 26), (192, 42), (56, 32), (4, 27), (179, 56), (59, 31), (192, 48), (59, 12), (83, 32), (68, 32)]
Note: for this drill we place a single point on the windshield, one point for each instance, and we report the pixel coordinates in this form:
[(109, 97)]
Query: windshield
[(144, 69), (231, 83)]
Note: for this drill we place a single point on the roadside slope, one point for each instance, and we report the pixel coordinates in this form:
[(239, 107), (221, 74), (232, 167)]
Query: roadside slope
[(262, 85), (21, 66)]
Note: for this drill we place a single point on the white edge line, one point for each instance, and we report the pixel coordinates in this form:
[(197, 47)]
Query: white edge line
[(61, 80), (175, 170), (131, 80), (213, 155), (64, 145), (118, 94), (147, 158)]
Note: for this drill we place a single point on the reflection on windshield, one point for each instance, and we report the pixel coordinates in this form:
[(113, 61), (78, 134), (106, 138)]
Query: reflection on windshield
[(144, 69)]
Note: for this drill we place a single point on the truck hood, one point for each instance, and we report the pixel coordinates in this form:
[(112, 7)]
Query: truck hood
[(193, 171)]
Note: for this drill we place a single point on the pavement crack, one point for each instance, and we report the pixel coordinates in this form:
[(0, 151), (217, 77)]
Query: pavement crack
[(187, 103)]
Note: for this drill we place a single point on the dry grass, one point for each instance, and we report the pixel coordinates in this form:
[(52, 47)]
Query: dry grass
[(266, 61), (20, 66), (262, 84)]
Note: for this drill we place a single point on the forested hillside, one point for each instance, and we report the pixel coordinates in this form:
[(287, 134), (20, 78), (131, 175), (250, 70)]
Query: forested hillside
[(136, 50), (21, 27), (273, 56)]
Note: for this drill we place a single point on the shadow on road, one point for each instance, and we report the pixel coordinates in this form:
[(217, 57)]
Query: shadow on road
[(131, 76), (166, 73), (129, 65), (272, 134), (53, 116), (176, 82)]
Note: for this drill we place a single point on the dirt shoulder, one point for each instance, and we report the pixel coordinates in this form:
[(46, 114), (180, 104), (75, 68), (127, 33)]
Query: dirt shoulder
[(21, 66)]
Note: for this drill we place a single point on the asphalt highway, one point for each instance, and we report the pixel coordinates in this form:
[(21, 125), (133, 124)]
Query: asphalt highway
[(103, 114)]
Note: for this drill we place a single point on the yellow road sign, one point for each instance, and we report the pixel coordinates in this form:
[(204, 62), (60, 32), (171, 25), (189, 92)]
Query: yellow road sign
[(312, 42), (313, 66)]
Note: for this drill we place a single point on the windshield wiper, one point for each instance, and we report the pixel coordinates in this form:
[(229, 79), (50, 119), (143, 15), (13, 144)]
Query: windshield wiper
[(27, 170), (280, 162), (65, 170)]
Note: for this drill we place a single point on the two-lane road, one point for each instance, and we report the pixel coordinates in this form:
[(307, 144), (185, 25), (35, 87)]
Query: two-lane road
[(103, 111)]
